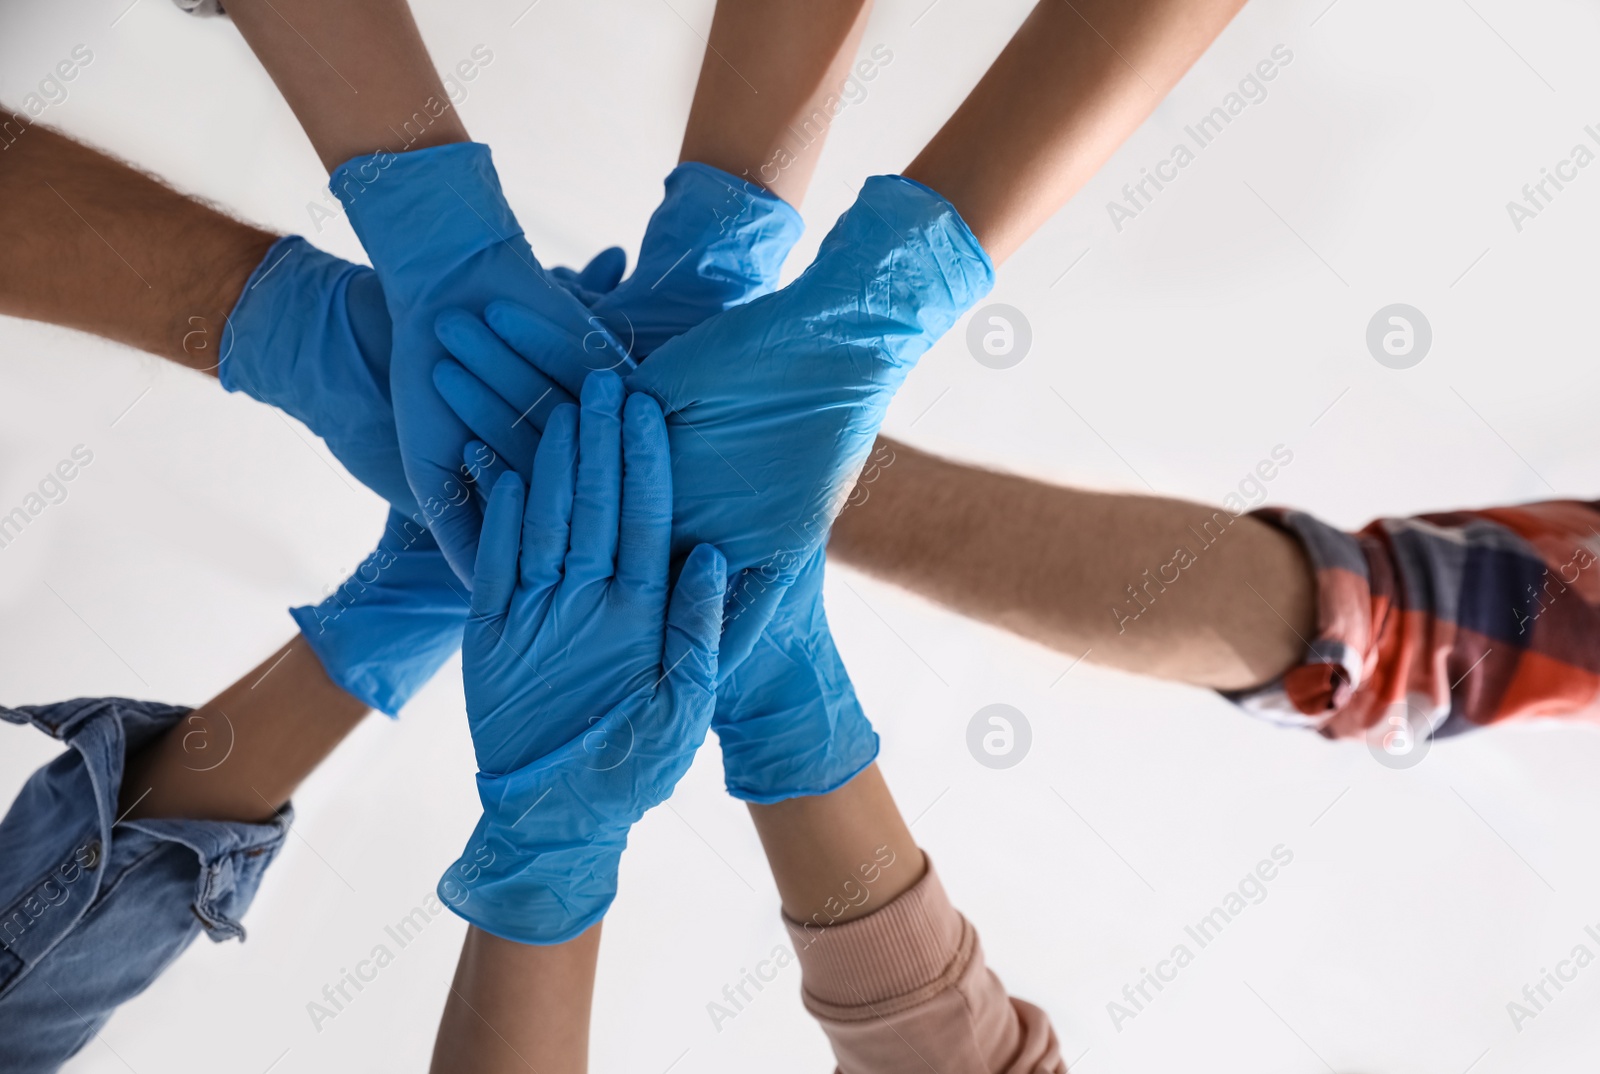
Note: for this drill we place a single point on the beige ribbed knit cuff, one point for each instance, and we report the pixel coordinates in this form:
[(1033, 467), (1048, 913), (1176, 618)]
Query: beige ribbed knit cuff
[(915, 946)]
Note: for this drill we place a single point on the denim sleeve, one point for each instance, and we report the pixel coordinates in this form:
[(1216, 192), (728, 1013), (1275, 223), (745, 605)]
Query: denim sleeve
[(93, 909)]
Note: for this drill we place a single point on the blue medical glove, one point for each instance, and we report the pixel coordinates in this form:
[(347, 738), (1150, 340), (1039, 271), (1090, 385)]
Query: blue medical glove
[(588, 691), (602, 273), (773, 406), (787, 718), (310, 335), (714, 242), (390, 626), (441, 235)]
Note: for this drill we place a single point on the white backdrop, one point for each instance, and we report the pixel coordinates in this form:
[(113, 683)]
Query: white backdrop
[(1227, 318)]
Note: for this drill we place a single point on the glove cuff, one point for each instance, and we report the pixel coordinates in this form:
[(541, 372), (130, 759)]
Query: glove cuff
[(537, 870), (788, 718), (742, 233), (775, 749), (545, 899), (294, 295), (922, 261), (714, 242), (385, 632), (421, 213)]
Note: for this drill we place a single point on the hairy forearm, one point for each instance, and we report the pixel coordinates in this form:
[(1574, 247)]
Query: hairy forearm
[(769, 88), (839, 856), (356, 74), (1075, 81), (99, 246), (1087, 572), (242, 754), (518, 1007)]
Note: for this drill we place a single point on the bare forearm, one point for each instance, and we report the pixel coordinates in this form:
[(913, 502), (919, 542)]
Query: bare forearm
[(242, 754), (839, 856), (99, 246), (1075, 81), (1088, 572), (356, 74), (518, 1007), (769, 88)]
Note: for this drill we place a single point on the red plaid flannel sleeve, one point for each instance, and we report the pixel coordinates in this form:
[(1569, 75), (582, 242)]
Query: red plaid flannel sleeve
[(1453, 620)]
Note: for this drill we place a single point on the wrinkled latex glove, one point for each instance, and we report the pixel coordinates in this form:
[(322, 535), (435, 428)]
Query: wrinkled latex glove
[(440, 235), (603, 272), (714, 242), (773, 406), (310, 335), (588, 691), (387, 629), (788, 719)]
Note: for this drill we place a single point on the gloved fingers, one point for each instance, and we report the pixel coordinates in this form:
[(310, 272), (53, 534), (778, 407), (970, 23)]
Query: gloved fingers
[(537, 338), (565, 354), (694, 622), (595, 505), (487, 415), (451, 513), (567, 279), (604, 271), (406, 533), (644, 540), (484, 466), (495, 579), (547, 524), (753, 597), (529, 393)]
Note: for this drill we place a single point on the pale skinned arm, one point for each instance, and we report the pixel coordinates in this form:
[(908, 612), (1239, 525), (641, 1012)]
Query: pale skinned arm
[(1053, 564)]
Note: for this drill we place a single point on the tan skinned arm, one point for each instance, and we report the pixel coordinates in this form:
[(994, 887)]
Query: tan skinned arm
[(241, 755), (1074, 82), (818, 848), (163, 269), (761, 106), (517, 1007), (356, 74), (1054, 564)]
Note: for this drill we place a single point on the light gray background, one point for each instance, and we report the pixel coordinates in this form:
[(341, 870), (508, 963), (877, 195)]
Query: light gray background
[(1227, 319)]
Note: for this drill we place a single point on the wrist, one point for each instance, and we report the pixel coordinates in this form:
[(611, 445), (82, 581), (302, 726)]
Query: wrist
[(388, 628), (839, 856), (240, 756), (450, 193), (196, 328)]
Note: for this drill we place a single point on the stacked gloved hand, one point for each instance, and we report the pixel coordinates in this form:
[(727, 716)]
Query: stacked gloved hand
[(588, 688), (771, 406), (787, 718), (440, 235), (312, 335)]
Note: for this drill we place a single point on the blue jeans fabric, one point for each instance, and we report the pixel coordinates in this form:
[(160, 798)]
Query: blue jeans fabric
[(93, 910)]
